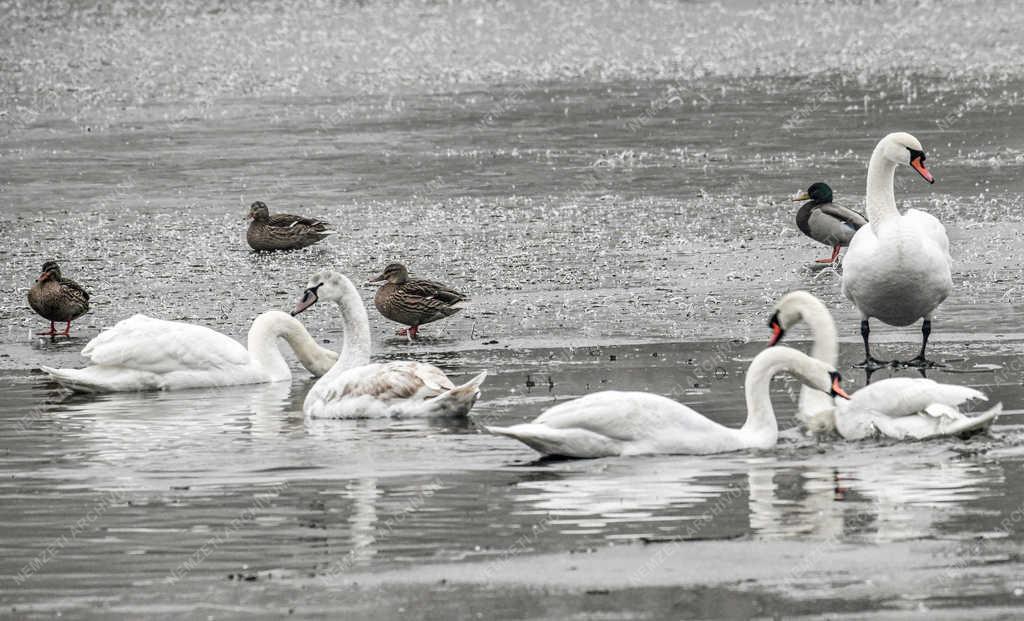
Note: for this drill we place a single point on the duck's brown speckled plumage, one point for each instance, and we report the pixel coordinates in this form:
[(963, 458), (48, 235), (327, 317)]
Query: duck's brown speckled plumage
[(413, 301), (57, 298), (281, 231)]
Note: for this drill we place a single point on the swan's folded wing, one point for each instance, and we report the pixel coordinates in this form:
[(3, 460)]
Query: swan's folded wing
[(904, 396), (625, 416), (146, 344), (931, 226), (390, 381)]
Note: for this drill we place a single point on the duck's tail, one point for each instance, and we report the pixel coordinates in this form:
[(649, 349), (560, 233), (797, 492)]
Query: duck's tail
[(459, 400)]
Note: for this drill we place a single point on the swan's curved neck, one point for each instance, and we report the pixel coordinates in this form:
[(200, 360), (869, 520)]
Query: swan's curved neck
[(355, 350), (881, 200), (823, 329), (761, 427), (263, 347)]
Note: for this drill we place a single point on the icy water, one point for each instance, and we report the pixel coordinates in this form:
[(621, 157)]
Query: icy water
[(618, 212)]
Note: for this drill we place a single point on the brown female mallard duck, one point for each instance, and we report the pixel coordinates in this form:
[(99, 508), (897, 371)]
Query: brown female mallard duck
[(282, 231), (413, 302), (57, 298)]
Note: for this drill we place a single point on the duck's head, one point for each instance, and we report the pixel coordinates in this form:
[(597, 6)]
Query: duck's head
[(394, 273), (790, 310), (50, 270), (258, 211), (820, 193), (902, 148), (330, 286)]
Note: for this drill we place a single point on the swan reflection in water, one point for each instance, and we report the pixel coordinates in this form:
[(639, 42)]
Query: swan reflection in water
[(863, 496)]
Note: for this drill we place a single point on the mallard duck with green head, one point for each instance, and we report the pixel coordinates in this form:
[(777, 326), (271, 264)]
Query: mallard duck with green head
[(824, 221)]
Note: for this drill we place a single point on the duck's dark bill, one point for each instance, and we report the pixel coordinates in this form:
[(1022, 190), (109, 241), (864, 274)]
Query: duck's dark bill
[(308, 299), (919, 167)]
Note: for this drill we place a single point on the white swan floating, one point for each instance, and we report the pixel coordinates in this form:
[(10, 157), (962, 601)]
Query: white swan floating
[(143, 353), (900, 408), (357, 388), (898, 268), (613, 423)]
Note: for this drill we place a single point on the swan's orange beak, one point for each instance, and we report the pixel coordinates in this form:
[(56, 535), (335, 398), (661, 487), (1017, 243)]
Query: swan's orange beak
[(777, 333), (837, 390), (918, 165)]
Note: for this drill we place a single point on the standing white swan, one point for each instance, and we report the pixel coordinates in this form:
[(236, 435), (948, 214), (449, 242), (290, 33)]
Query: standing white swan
[(355, 388), (143, 353), (898, 268), (900, 408), (611, 423)]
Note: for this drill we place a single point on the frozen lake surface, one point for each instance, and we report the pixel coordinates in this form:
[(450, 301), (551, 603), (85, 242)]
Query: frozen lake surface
[(612, 190)]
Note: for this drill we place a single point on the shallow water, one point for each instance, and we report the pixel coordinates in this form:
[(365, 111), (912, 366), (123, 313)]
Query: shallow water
[(620, 221)]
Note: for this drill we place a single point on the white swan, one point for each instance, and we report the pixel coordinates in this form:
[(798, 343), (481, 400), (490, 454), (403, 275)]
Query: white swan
[(900, 408), (356, 388), (611, 423), (898, 267), (143, 353)]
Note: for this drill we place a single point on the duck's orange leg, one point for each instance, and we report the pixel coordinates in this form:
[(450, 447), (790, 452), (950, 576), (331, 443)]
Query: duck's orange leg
[(52, 332), (835, 253)]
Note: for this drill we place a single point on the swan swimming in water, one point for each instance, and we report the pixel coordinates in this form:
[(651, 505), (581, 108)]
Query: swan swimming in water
[(143, 353), (357, 388), (611, 423), (900, 408)]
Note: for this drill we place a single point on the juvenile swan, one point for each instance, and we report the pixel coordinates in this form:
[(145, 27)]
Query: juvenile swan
[(357, 388)]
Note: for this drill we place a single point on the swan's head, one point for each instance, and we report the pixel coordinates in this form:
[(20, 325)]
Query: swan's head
[(259, 212), (50, 270), (329, 286), (821, 376), (790, 310), (394, 273), (811, 371), (902, 148), (819, 192)]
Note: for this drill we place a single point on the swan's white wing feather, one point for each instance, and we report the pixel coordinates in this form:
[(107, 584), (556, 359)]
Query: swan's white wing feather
[(389, 381), (157, 346), (930, 226), (905, 396), (627, 416)]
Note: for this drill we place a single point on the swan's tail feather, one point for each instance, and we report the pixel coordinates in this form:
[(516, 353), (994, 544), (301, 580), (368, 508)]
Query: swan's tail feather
[(971, 425), (99, 378), (73, 379), (459, 400), (561, 442)]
